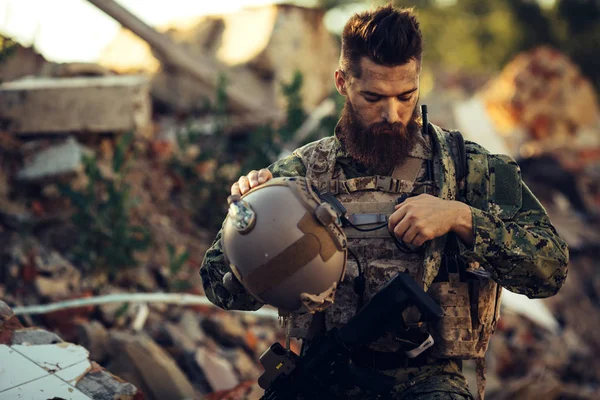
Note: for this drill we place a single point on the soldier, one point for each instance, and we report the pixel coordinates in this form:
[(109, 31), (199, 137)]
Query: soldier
[(464, 224)]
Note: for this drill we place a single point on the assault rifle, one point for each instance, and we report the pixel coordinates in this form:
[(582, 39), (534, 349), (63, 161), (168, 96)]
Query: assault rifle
[(327, 360)]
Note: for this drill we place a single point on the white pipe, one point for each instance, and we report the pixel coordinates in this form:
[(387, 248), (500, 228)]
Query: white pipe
[(182, 299)]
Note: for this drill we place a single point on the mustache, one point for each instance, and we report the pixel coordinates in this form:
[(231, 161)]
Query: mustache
[(386, 128)]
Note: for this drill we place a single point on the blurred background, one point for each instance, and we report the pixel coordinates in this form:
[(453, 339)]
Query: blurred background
[(123, 123)]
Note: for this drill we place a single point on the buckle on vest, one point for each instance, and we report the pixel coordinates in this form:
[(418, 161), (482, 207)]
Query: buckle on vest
[(384, 183)]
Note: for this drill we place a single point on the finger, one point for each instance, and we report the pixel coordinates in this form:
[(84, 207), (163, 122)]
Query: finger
[(395, 218), (420, 240), (410, 199), (244, 184), (402, 227), (235, 189), (410, 235), (264, 175), (253, 178)]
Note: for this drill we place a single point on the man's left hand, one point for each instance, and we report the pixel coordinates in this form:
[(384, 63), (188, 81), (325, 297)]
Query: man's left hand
[(425, 217)]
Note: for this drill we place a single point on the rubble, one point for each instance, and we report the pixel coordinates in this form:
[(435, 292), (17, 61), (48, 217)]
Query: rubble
[(285, 39), (24, 61), (140, 360), (59, 159), (81, 104), (543, 348), (541, 101), (37, 364), (45, 270)]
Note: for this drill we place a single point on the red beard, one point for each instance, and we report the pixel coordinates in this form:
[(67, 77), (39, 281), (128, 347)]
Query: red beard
[(380, 146)]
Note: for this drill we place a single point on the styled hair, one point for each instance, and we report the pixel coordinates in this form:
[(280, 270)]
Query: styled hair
[(388, 36)]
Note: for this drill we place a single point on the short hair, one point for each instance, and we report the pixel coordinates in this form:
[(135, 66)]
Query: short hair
[(388, 36)]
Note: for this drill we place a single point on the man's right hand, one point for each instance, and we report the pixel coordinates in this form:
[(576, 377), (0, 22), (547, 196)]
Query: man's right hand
[(250, 181)]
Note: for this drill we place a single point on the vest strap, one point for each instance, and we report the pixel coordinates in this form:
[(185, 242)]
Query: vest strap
[(381, 183), (367, 218)]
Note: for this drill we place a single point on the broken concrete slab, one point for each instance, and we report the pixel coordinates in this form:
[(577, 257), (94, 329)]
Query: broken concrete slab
[(82, 104), (52, 369), (100, 384), (218, 372), (140, 360), (285, 39), (14, 376), (60, 159), (47, 387), (74, 373), (34, 336), (53, 357)]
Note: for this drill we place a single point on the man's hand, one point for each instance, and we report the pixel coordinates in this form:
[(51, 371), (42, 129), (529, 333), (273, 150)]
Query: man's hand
[(425, 217), (250, 181)]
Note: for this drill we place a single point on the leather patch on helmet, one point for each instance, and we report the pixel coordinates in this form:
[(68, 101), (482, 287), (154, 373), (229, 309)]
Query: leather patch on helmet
[(316, 241)]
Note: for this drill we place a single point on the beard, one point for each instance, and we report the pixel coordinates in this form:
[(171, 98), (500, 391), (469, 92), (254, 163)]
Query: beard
[(380, 146)]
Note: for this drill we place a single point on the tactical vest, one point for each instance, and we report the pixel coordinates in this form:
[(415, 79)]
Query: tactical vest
[(469, 299)]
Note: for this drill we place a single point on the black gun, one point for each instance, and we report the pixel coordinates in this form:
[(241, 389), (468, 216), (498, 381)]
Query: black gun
[(327, 360)]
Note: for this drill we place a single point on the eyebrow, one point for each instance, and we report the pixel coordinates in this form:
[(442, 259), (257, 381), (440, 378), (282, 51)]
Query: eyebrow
[(382, 95)]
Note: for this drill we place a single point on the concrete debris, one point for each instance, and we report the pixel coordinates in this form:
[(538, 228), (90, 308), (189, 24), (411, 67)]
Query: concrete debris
[(541, 348), (52, 275), (285, 39), (534, 309), (543, 94), (34, 336), (139, 360), (82, 104), (219, 373), (39, 365), (60, 159), (24, 61), (93, 336), (246, 390)]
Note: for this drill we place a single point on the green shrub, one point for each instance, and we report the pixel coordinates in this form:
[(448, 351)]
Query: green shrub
[(107, 239)]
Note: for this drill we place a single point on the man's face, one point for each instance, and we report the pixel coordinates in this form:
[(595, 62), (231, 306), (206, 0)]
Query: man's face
[(381, 94), (378, 124)]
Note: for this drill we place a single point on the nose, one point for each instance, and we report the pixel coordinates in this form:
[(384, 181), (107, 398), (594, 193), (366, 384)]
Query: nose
[(390, 111)]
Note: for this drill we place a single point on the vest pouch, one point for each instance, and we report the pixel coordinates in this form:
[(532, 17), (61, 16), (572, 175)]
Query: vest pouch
[(471, 309)]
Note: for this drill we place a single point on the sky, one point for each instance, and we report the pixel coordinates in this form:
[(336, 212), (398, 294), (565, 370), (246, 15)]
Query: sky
[(75, 30)]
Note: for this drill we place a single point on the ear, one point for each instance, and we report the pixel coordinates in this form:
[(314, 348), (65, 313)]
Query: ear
[(341, 82)]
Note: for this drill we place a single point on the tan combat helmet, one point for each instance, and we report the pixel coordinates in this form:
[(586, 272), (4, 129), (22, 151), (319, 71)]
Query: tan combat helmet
[(285, 245)]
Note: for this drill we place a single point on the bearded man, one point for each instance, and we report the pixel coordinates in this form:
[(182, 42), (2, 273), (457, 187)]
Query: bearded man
[(468, 225)]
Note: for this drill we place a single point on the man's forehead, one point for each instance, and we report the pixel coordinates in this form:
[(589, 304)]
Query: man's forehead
[(372, 73)]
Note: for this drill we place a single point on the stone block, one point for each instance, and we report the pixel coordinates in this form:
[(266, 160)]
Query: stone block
[(82, 104)]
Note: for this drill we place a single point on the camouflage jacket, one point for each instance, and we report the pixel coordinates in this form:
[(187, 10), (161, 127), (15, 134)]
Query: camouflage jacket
[(514, 244)]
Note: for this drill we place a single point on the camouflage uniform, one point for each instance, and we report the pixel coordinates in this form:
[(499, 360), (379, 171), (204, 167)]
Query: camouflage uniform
[(514, 244)]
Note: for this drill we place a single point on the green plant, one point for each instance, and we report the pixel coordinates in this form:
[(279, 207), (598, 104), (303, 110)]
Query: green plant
[(176, 261), (267, 142), (107, 239), (208, 175)]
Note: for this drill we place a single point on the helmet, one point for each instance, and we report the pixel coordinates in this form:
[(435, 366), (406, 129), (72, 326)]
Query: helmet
[(285, 245)]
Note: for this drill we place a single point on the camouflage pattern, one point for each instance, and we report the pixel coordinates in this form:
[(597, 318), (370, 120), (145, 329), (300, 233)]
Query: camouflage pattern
[(514, 244), (377, 253), (441, 381)]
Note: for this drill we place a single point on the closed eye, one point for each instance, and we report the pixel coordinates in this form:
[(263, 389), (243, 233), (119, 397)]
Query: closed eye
[(372, 99)]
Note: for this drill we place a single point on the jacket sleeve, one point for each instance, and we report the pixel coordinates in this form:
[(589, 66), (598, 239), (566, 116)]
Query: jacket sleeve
[(514, 240), (214, 267)]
